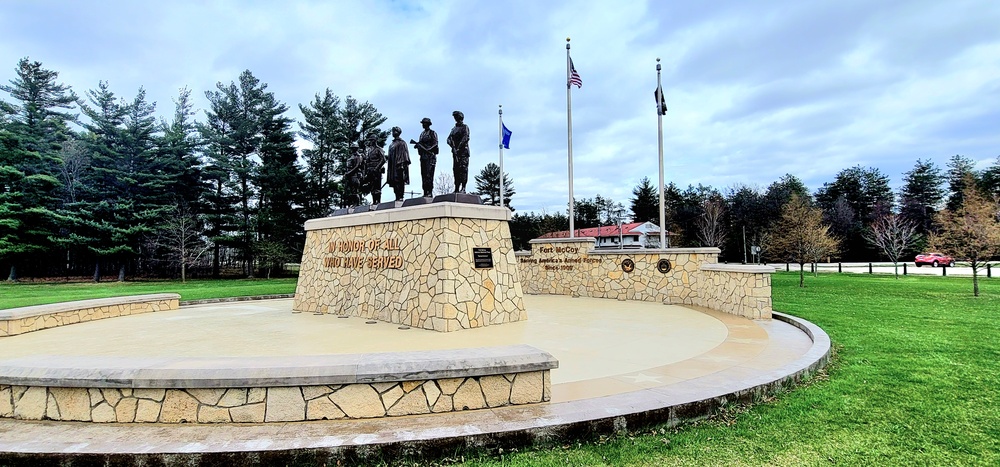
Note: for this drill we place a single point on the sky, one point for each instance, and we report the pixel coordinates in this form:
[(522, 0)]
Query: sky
[(755, 89)]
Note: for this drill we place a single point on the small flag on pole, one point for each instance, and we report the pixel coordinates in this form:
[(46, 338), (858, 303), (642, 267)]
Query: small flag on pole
[(506, 137), (574, 77), (661, 103)]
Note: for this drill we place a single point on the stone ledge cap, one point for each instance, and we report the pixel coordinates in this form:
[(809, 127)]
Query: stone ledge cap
[(744, 268), (411, 213), (564, 240), (230, 372), (657, 251), (39, 310)]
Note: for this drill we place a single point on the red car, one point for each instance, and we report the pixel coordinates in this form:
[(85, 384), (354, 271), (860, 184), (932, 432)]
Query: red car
[(934, 259)]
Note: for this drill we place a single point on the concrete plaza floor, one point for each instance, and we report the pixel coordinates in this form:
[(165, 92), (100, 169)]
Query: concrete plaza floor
[(616, 359)]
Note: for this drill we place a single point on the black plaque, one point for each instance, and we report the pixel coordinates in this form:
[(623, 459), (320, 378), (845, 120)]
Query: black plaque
[(483, 258), (663, 265), (628, 265)]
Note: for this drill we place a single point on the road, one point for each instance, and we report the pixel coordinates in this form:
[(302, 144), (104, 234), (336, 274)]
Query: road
[(886, 268)]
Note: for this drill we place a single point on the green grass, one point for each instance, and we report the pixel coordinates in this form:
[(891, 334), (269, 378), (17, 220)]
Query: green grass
[(915, 381), (17, 294)]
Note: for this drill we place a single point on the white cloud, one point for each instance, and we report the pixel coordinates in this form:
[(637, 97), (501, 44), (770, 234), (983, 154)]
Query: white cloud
[(755, 89)]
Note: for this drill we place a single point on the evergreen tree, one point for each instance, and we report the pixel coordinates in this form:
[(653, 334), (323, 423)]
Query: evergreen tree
[(586, 214), (26, 225), (124, 196), (241, 126), (524, 227), (178, 157), (645, 204), (989, 182), (42, 111), (280, 180), (236, 119), (921, 195), (779, 193), (34, 128), (961, 169), (855, 198), (686, 209), (488, 184), (746, 211), (323, 128)]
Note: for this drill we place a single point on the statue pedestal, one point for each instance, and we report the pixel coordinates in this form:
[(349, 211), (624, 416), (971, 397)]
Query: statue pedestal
[(442, 266)]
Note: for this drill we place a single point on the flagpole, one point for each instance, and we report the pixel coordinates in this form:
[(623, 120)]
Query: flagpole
[(569, 138), (659, 135), (501, 154)]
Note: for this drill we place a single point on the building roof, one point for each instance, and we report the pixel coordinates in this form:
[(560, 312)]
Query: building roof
[(603, 231)]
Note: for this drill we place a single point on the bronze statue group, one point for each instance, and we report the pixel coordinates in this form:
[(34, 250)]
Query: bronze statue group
[(364, 171)]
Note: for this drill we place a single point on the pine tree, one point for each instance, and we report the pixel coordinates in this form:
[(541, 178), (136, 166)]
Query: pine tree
[(855, 198), (280, 180), (989, 182), (237, 128), (124, 196), (961, 170), (42, 113), (921, 195), (323, 128), (33, 130), (178, 157), (488, 184), (645, 204)]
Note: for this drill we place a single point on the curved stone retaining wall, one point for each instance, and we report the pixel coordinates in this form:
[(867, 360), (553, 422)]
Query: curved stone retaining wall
[(16, 321), (690, 276), (274, 389)]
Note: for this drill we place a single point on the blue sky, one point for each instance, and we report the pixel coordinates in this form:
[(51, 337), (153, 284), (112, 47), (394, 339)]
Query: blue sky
[(756, 89)]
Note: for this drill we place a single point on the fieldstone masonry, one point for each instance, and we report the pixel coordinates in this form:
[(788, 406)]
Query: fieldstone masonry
[(275, 404), (573, 267), (413, 266), (16, 321)]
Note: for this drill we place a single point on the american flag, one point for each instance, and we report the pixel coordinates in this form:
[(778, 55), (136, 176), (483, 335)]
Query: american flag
[(574, 77)]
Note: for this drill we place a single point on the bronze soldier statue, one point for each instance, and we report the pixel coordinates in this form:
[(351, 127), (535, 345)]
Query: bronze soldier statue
[(399, 164), (374, 168), (459, 142), (353, 177), (427, 147)]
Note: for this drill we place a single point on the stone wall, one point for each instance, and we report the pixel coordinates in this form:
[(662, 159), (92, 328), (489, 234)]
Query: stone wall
[(573, 267), (274, 404), (26, 319), (413, 266)]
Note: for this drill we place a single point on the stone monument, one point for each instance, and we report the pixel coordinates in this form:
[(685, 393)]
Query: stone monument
[(444, 266)]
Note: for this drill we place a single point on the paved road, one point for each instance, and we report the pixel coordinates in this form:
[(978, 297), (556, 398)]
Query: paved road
[(886, 268)]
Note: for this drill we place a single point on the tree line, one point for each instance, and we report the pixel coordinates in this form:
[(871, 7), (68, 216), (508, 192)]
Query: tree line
[(854, 217), (96, 183)]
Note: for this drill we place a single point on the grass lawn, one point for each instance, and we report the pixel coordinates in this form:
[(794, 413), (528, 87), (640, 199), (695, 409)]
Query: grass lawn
[(17, 295), (915, 381)]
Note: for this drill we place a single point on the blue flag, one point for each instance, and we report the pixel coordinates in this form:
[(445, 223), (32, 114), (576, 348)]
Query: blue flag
[(505, 140)]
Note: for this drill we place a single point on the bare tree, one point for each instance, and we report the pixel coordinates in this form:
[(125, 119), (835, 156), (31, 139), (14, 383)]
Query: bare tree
[(763, 241), (180, 237), (711, 229), (892, 234), (75, 161), (801, 236), (971, 231), (444, 183)]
